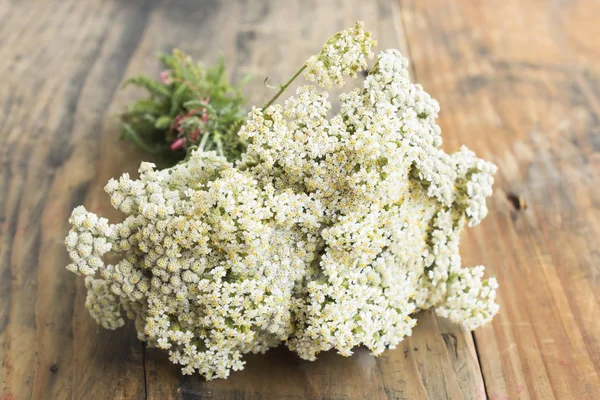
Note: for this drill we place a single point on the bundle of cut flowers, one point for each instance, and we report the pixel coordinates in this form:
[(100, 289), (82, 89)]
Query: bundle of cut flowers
[(190, 107), (328, 232)]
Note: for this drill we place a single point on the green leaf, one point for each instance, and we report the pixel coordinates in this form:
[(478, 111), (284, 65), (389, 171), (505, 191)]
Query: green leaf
[(163, 122), (177, 99), (152, 86), (151, 119), (193, 104), (245, 79), (129, 133), (145, 106)]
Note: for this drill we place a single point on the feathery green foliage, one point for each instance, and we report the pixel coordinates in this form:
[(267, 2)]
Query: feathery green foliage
[(192, 106)]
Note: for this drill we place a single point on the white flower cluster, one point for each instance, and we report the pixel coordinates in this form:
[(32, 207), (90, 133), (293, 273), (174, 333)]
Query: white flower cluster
[(329, 233), (345, 53)]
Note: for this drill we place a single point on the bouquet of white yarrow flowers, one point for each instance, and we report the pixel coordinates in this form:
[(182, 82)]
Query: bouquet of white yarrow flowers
[(329, 232)]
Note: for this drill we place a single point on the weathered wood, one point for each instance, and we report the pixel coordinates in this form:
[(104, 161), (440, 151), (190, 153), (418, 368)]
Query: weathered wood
[(62, 63), (518, 83), (65, 62), (438, 361)]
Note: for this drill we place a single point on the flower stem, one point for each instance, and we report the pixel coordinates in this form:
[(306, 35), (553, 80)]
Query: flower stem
[(284, 86)]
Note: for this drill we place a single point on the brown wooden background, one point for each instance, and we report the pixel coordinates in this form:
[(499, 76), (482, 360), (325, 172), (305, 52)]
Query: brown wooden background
[(518, 82)]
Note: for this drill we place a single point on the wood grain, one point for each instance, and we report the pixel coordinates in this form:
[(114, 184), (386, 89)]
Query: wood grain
[(438, 361), (63, 62), (517, 82)]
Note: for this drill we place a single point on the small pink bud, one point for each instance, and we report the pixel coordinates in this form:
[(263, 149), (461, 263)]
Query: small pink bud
[(164, 77), (178, 144)]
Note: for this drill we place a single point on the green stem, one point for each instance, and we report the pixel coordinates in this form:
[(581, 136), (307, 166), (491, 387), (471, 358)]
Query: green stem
[(219, 145), (284, 86), (202, 144), (129, 133)]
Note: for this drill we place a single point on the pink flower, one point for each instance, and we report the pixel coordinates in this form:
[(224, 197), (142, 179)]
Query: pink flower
[(178, 144), (164, 77)]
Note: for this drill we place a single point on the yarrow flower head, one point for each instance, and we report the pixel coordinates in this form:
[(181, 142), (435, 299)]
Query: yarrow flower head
[(345, 53), (330, 232)]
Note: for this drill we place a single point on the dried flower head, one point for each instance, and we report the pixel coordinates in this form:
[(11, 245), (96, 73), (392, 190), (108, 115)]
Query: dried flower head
[(344, 54), (328, 233)]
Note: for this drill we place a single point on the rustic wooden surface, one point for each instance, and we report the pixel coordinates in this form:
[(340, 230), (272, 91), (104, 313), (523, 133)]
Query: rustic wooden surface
[(518, 82)]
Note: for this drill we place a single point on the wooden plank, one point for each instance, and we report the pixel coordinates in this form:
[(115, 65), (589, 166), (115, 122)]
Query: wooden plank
[(63, 63), (436, 362), (518, 83)]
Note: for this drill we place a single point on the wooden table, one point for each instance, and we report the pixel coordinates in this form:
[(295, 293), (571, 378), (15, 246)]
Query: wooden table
[(518, 82)]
